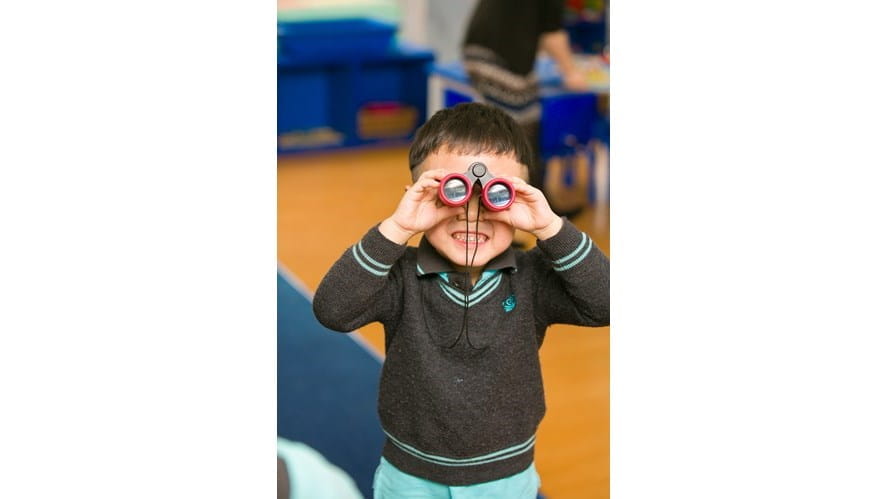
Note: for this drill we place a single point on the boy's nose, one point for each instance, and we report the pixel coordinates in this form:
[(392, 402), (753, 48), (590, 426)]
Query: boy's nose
[(476, 209)]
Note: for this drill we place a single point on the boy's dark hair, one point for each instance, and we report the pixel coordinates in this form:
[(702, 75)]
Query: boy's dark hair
[(471, 128)]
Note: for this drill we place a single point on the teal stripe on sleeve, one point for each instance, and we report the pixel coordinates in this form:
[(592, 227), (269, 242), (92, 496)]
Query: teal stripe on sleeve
[(577, 250), (369, 258), (365, 266), (576, 261)]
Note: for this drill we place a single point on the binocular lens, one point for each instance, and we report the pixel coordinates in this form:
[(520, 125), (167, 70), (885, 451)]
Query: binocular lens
[(499, 195), (455, 190)]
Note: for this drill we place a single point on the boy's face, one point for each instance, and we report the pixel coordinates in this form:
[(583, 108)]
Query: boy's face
[(491, 238)]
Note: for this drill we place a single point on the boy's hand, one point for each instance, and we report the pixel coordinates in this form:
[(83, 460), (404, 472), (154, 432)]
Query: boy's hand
[(419, 209), (529, 212)]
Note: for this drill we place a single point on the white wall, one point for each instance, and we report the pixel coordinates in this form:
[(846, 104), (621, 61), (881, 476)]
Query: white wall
[(437, 24)]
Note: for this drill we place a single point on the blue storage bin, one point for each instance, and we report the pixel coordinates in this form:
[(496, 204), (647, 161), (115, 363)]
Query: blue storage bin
[(308, 113), (351, 102), (334, 39)]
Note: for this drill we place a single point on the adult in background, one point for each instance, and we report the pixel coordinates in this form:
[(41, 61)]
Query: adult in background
[(499, 52)]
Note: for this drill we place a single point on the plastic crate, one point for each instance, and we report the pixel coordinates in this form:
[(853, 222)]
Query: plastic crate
[(334, 39), (384, 120)]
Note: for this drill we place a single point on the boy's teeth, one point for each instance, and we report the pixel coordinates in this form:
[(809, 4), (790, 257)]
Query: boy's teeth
[(471, 238)]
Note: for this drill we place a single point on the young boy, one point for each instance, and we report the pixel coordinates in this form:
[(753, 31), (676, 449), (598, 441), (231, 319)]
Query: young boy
[(460, 396)]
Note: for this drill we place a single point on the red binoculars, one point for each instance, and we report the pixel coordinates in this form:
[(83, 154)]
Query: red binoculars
[(455, 189)]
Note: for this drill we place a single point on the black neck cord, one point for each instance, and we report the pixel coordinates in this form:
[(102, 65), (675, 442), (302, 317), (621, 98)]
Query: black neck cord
[(467, 284)]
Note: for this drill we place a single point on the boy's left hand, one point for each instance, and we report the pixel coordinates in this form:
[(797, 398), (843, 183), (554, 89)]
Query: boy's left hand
[(529, 212)]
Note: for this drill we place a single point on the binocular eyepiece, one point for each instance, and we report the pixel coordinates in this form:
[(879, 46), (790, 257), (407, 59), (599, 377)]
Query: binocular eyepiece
[(455, 189)]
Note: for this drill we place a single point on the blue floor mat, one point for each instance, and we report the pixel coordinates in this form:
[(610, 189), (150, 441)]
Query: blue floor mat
[(326, 389)]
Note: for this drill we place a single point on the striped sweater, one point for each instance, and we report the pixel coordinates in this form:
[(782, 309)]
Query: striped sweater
[(462, 407)]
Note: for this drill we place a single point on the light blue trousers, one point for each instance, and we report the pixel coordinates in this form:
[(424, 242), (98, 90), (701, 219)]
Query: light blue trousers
[(391, 483)]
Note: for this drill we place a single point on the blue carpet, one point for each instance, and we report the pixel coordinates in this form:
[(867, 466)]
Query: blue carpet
[(326, 389)]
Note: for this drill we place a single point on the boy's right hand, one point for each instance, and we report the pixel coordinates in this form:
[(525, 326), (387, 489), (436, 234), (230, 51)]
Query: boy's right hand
[(419, 210)]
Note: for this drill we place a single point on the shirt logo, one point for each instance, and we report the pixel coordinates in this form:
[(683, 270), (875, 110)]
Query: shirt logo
[(509, 303)]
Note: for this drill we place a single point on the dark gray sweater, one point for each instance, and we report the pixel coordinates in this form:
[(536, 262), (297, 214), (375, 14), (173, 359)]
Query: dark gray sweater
[(462, 407)]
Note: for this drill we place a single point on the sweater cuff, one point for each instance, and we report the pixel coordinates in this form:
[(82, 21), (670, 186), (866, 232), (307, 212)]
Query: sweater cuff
[(566, 248), (376, 253)]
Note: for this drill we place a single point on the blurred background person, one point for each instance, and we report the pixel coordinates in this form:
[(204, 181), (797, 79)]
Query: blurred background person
[(499, 53)]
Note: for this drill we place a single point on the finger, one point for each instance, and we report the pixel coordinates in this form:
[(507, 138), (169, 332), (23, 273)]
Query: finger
[(516, 180), (519, 183), (426, 184), (524, 189), (423, 183), (437, 174)]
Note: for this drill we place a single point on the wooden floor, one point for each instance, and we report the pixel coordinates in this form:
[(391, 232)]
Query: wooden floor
[(326, 202)]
